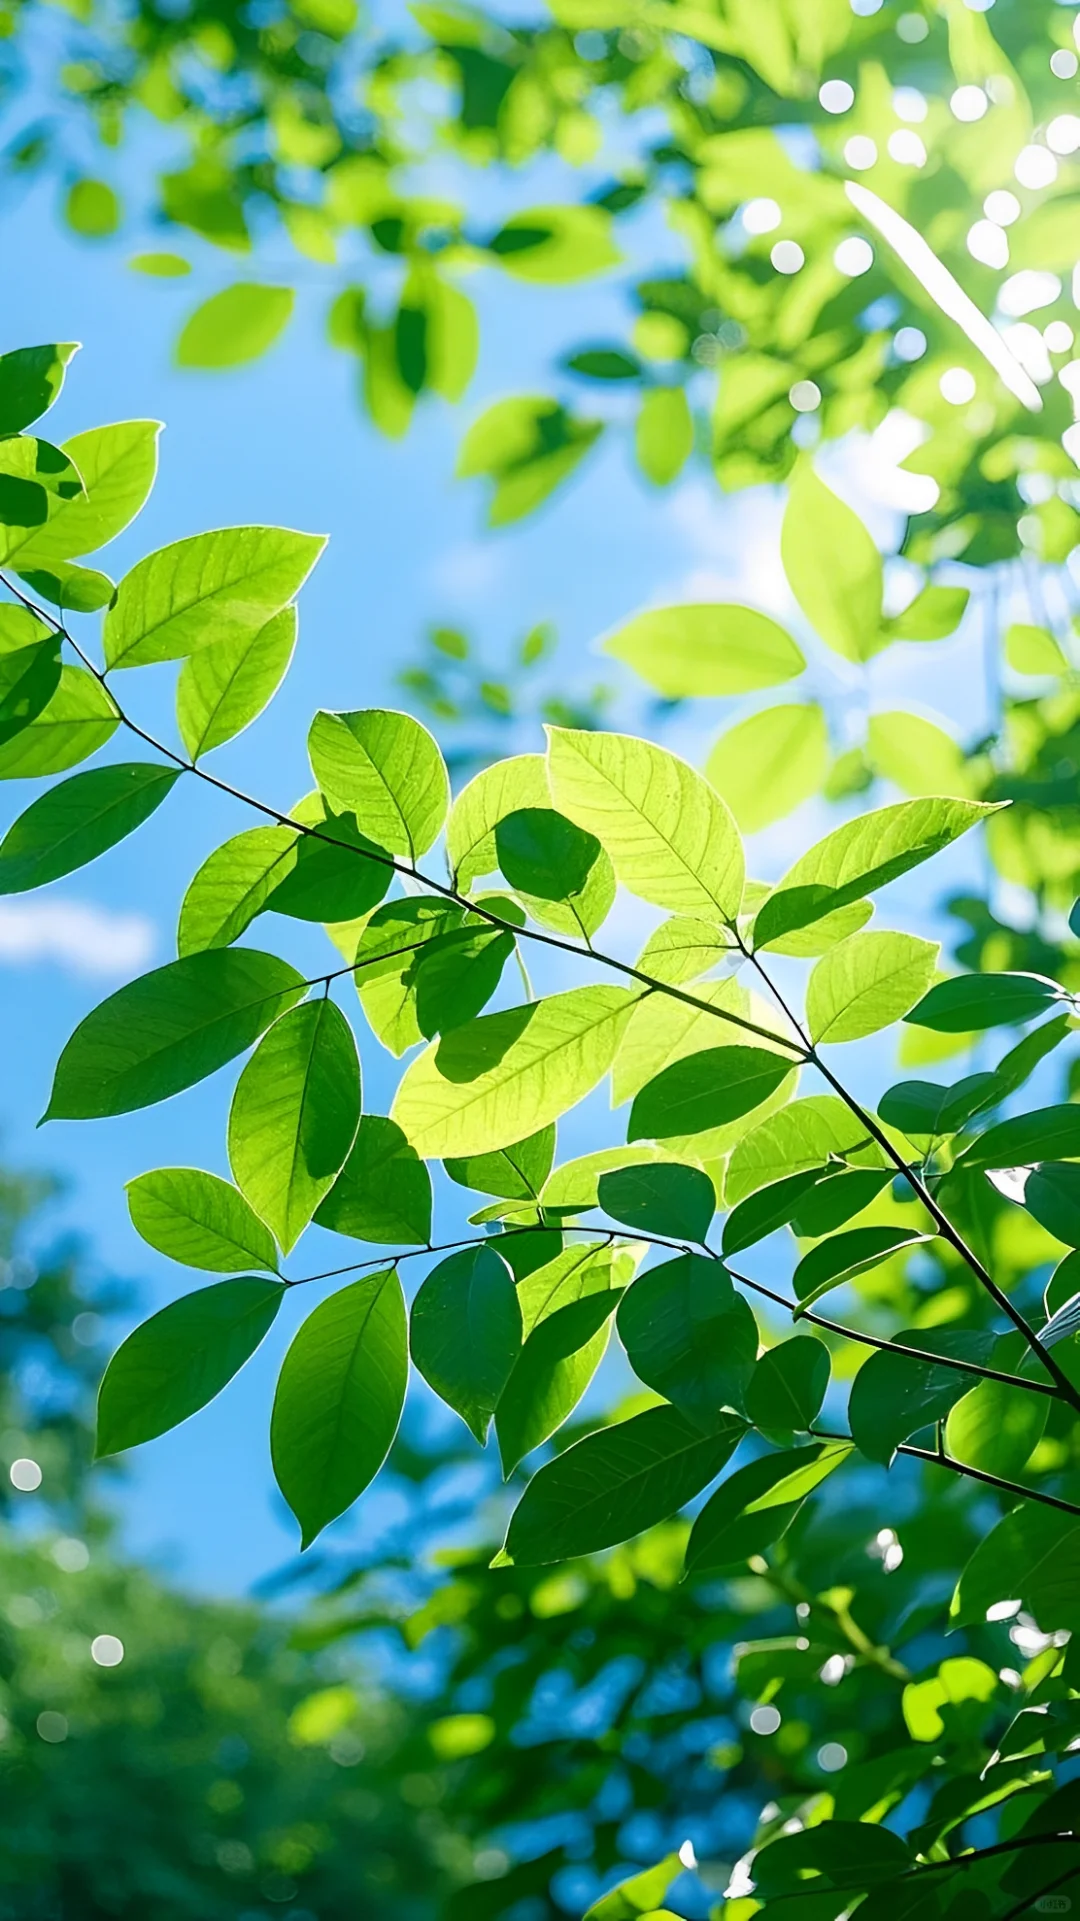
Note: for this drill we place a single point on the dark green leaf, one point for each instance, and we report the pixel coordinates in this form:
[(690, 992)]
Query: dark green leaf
[(453, 976), (73, 823), (837, 1197), (294, 1116), (847, 1854), (543, 853), (383, 1192), (1046, 1134), (660, 1197), (845, 1255), (465, 1333), (689, 1335), (200, 1220), (29, 677), (893, 1396), (615, 1483), (168, 1029), (752, 1508), (339, 1400), (788, 1385), (971, 1002), (78, 590), (926, 1108), (181, 1358), (1052, 1195), (30, 379), (706, 1090), (770, 1208), (338, 874), (516, 1173), (551, 1373), (1032, 1556)]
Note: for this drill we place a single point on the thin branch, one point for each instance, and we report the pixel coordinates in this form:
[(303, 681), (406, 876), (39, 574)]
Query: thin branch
[(970, 1473), (896, 1347), (1029, 1900)]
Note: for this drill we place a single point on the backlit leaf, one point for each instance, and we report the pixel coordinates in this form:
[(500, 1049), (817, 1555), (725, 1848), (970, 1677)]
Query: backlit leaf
[(703, 650), (866, 983), (768, 765), (385, 768), (339, 1399), (223, 688), (78, 719), (294, 1116), (995, 1427), (494, 793), (211, 588), (180, 1358), (465, 1333), (383, 1192), (689, 1335), (509, 1074), (670, 838), (83, 817), (169, 1029), (234, 326), (199, 1220), (833, 566), (30, 380), (845, 1255), (753, 1507), (551, 1373), (893, 1396), (615, 1483)]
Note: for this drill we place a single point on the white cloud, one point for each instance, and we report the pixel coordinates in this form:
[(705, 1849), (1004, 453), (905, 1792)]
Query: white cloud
[(75, 934)]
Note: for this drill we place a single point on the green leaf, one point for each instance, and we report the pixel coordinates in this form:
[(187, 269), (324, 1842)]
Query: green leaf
[(995, 1428), (663, 1030), (180, 1359), (753, 1507), (30, 380), (837, 1196), (385, 768), (971, 1002), (509, 1074), (660, 1198), (615, 1483), (583, 1268), (640, 1895), (833, 567), (118, 465), (73, 823), (916, 756), (1052, 1196), (1046, 1134), (866, 983), (846, 1255), (555, 245), (199, 1220), (92, 209), (689, 1335), (502, 789), (706, 1090), (663, 434), (772, 1207), (804, 1135), (454, 975), (79, 590), (861, 856), (516, 1173), (551, 1373), (788, 1385), (225, 687), (169, 1029), (561, 873), (234, 326), (294, 1116), (465, 1333), (78, 719), (934, 614), (338, 874), (839, 1854), (209, 589), (339, 1400), (680, 950), (1032, 1556), (894, 1396), (386, 953), (696, 650), (574, 1187), (35, 479), (926, 1109), (670, 838), (768, 765), (232, 886), (383, 1192), (1033, 650), (29, 677)]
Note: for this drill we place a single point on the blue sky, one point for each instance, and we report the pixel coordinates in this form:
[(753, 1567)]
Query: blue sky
[(283, 443)]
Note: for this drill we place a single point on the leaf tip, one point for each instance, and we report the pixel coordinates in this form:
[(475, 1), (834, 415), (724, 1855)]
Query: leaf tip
[(501, 1559)]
